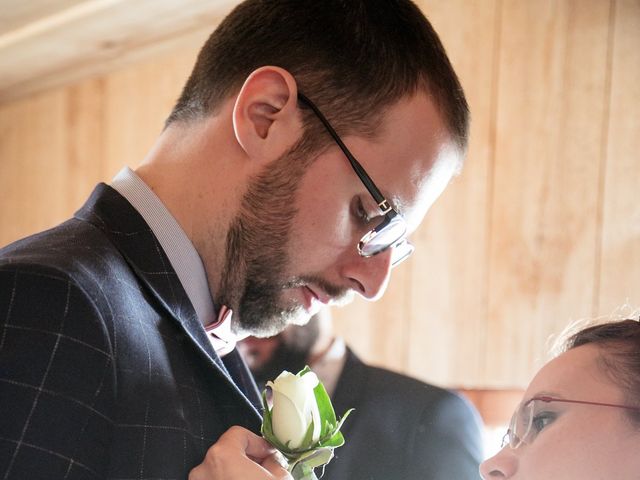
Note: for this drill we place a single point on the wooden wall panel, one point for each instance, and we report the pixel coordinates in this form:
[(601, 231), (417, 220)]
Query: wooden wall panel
[(55, 146), (50, 157), (83, 160), (541, 227), (63, 41), (379, 332), (138, 99), (620, 259), (551, 104), (32, 152), (448, 282)]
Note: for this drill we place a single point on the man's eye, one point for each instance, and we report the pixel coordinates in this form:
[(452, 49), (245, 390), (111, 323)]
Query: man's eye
[(361, 212)]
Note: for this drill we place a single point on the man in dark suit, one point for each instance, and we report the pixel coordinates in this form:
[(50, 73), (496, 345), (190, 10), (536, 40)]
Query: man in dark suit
[(401, 428), (118, 327)]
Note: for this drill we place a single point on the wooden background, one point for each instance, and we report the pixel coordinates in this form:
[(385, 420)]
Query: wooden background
[(542, 227)]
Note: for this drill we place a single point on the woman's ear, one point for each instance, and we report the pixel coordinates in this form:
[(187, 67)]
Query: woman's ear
[(266, 121)]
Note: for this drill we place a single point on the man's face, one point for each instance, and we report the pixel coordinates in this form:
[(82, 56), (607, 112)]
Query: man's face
[(292, 246)]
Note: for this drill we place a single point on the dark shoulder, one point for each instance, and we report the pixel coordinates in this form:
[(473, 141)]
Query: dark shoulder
[(74, 260), (74, 249), (388, 383), (375, 387)]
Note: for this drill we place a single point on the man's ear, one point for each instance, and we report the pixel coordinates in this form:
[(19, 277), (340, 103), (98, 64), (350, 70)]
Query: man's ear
[(266, 121)]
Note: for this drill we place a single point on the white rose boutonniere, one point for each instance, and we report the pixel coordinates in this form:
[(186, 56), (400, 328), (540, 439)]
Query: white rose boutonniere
[(301, 424)]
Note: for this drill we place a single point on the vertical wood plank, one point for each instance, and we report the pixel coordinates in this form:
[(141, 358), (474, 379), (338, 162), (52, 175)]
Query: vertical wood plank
[(620, 259), (378, 331), (551, 109), (448, 276), (83, 160), (32, 149), (138, 99)]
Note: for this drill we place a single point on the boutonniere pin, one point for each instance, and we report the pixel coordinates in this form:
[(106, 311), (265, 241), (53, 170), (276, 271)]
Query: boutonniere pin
[(302, 424)]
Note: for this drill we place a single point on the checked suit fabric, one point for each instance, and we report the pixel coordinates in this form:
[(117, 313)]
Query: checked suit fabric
[(105, 369)]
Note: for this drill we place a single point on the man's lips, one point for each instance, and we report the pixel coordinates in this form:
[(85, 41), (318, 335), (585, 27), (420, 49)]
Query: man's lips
[(319, 294), (313, 299)]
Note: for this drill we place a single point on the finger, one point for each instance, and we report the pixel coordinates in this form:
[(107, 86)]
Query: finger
[(254, 447), (274, 467)]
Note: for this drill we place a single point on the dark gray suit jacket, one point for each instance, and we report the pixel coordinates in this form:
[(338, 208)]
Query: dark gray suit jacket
[(402, 429), (105, 370)]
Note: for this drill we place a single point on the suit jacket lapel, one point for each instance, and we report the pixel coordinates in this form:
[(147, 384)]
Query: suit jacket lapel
[(128, 231), (240, 372)]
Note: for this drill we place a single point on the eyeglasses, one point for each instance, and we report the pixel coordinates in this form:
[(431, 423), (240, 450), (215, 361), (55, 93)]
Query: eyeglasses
[(391, 230), (528, 420)]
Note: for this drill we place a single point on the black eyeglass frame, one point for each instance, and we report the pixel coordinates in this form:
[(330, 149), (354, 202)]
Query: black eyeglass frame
[(390, 214)]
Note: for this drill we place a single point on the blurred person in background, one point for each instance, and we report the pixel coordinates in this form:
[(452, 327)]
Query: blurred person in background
[(401, 428), (580, 417)]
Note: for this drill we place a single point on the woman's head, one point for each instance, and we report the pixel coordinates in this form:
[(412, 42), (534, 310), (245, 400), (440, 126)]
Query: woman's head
[(619, 344), (579, 415)]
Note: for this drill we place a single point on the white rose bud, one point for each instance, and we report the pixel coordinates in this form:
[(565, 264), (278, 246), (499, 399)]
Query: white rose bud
[(294, 408)]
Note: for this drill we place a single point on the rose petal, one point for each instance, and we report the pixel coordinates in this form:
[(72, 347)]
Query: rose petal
[(293, 387), (287, 421)]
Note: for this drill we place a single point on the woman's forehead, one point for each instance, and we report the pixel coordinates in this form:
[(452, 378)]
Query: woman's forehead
[(578, 372)]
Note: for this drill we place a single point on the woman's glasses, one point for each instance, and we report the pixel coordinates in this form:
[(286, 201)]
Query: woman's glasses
[(528, 420)]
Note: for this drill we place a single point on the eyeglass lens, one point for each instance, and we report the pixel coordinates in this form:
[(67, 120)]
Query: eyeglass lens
[(519, 426), (388, 233)]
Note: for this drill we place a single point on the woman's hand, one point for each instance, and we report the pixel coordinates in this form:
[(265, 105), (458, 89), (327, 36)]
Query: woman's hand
[(242, 455)]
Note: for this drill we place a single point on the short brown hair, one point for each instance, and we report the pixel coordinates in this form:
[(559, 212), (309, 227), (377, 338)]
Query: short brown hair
[(353, 58), (620, 345)]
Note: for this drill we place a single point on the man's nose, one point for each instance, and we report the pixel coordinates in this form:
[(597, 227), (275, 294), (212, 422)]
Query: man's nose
[(369, 276)]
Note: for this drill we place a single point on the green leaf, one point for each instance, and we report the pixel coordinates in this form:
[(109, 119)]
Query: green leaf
[(344, 417), (308, 437), (306, 462), (327, 414), (306, 369), (335, 441), (302, 472), (319, 457), (266, 428)]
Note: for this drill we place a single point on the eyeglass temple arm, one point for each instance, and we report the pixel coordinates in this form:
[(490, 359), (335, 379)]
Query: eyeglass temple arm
[(368, 183), (548, 399)]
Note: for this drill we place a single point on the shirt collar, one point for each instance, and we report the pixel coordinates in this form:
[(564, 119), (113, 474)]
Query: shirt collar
[(181, 254)]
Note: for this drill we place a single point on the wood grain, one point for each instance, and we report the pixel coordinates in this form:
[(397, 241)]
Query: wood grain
[(550, 114), (77, 40), (448, 291), (543, 225), (620, 253)]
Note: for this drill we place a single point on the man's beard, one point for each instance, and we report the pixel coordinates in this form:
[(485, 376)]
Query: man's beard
[(256, 258)]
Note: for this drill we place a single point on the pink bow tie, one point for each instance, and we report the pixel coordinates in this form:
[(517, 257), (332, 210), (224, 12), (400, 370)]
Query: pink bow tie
[(219, 332)]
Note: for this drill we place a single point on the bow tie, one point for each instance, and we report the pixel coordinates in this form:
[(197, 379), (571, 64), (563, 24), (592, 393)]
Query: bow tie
[(219, 332)]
